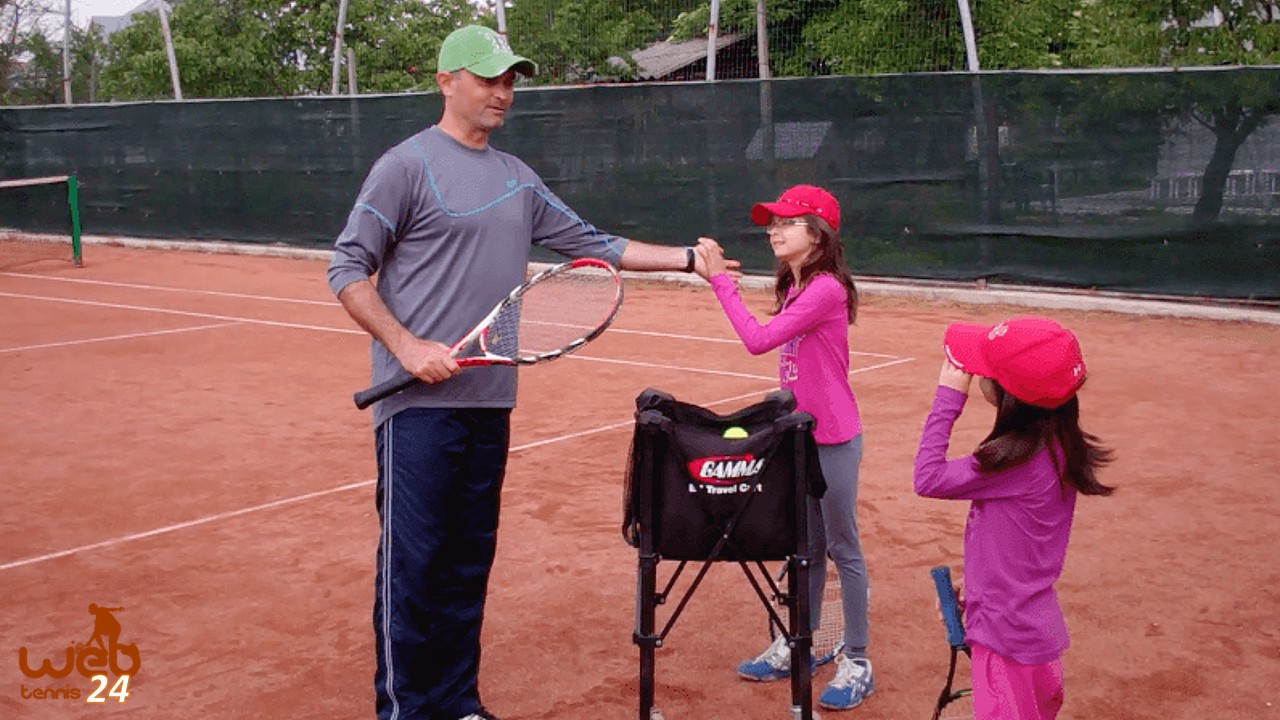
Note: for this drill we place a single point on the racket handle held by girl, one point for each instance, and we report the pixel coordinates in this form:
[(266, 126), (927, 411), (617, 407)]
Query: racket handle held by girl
[(948, 605)]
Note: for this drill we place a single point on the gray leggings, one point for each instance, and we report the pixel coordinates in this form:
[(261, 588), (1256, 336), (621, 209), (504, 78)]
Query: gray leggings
[(833, 532)]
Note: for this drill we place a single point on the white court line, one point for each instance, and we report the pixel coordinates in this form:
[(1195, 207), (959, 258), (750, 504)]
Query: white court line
[(179, 526), (355, 331), (614, 426), (343, 488), (164, 288), (731, 341), (335, 303), (308, 496), (186, 313), (659, 366), (108, 338)]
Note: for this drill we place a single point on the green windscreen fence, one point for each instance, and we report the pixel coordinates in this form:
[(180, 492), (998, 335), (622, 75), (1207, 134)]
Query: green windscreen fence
[(1150, 182)]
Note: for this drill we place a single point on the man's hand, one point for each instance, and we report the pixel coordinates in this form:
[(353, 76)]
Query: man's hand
[(429, 360)]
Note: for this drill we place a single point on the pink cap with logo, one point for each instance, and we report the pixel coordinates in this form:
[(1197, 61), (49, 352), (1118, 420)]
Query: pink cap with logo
[(797, 201), (1033, 358)]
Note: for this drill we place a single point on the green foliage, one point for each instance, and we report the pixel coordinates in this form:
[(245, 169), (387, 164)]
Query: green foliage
[(245, 48), (573, 40), (1247, 35), (257, 48), (886, 36), (41, 81)]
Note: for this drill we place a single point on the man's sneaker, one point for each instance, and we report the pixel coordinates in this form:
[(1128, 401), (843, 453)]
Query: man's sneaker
[(481, 714), (852, 684)]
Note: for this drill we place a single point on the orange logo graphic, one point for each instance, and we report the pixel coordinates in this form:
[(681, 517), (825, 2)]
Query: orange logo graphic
[(101, 655)]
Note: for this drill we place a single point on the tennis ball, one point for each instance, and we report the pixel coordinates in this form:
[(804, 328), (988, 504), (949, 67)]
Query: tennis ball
[(734, 433)]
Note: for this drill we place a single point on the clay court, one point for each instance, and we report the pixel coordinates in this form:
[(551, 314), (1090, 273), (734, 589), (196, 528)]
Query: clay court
[(179, 441)]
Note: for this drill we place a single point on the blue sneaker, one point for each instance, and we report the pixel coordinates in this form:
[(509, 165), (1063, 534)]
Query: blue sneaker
[(852, 684), (774, 663)]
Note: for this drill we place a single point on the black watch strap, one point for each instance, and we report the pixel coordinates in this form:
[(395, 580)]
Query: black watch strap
[(689, 259)]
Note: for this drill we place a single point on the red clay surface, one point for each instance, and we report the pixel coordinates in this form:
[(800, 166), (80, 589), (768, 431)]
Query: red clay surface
[(178, 440)]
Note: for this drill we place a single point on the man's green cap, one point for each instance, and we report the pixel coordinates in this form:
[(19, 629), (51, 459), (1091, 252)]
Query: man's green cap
[(481, 51)]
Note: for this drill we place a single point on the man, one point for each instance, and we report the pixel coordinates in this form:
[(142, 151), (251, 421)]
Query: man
[(446, 222)]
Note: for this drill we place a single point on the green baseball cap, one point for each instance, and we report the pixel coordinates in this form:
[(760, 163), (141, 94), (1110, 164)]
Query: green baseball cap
[(481, 51)]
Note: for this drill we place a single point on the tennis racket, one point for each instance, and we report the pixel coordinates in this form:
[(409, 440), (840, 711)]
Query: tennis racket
[(953, 703), (554, 313), (828, 637)]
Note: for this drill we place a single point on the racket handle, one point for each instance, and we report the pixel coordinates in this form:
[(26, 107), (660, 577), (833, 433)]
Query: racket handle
[(947, 602), (365, 398)]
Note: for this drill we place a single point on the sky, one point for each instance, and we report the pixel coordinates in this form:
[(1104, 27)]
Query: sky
[(82, 10)]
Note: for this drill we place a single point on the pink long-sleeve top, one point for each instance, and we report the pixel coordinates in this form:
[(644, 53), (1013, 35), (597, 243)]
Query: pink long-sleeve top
[(1015, 539), (812, 337)]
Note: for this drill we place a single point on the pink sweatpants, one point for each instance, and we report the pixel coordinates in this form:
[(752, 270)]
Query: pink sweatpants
[(1005, 689)]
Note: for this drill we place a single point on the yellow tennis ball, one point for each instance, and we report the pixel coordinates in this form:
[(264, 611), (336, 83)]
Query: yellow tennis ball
[(734, 433)]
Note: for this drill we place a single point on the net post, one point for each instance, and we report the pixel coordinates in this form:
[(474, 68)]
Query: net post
[(73, 207)]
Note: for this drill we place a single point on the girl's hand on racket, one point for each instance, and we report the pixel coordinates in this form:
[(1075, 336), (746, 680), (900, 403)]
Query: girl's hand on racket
[(428, 360), (953, 377)]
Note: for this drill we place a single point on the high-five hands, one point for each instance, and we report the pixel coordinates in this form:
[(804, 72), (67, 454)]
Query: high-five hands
[(710, 260)]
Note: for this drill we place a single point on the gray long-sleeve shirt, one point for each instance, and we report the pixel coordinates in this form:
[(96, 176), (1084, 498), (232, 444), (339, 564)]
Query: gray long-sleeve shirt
[(448, 230)]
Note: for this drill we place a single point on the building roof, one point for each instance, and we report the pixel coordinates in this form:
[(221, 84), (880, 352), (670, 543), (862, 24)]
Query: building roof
[(112, 23), (663, 58), (791, 141)]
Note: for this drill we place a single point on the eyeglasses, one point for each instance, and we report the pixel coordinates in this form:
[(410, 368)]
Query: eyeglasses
[(778, 223)]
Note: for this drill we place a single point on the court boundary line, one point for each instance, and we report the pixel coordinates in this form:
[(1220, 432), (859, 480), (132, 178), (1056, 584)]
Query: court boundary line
[(348, 330), (183, 313), (195, 522), (336, 304), (933, 291), (167, 288), (111, 338)]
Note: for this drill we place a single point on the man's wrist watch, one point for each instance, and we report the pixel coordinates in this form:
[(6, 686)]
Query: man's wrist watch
[(690, 259)]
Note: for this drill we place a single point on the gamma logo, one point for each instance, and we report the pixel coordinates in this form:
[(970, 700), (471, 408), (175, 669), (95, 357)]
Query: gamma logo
[(725, 474), (99, 659)]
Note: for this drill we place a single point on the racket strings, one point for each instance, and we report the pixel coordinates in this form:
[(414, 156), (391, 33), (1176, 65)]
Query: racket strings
[(561, 311), (828, 638), (503, 336)]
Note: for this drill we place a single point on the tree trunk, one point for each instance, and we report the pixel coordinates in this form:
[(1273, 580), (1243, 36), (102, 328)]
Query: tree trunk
[(1231, 125)]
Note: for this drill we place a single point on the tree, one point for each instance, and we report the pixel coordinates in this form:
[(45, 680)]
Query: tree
[(396, 43), (1222, 32), (572, 40), (261, 48), (22, 28), (1199, 32)]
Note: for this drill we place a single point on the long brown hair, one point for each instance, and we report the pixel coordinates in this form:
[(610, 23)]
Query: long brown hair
[(1021, 430), (828, 259)]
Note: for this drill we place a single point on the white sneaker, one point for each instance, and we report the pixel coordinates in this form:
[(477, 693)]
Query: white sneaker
[(772, 664), (852, 684)]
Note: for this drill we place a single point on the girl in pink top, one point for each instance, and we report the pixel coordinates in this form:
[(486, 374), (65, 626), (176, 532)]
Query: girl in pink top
[(1022, 482), (815, 301)]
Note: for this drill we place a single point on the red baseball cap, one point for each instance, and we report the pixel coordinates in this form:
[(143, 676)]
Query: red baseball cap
[(1034, 359), (797, 201)]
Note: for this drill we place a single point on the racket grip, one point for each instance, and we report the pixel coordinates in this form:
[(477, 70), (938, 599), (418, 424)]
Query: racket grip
[(365, 398), (947, 602)]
